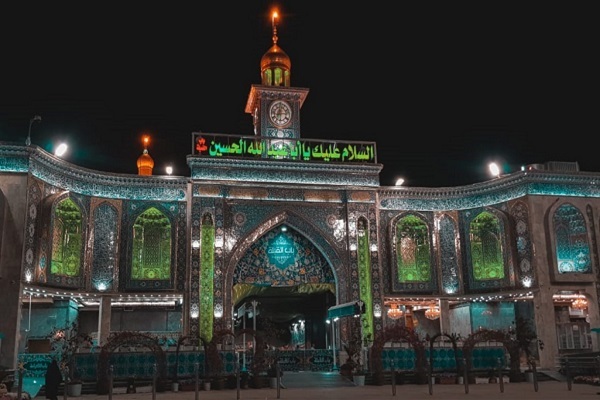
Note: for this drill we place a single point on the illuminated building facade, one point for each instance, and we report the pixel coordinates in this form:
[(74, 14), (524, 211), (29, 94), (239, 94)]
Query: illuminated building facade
[(275, 215)]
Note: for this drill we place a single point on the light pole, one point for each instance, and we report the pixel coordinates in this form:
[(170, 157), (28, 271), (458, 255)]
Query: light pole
[(31, 121), (254, 304)]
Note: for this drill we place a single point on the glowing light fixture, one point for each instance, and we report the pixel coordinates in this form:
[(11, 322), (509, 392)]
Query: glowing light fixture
[(395, 312), (61, 149), (494, 169), (433, 312), (579, 303), (377, 310)]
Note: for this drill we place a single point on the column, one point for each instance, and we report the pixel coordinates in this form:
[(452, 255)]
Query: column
[(445, 316), (104, 315)]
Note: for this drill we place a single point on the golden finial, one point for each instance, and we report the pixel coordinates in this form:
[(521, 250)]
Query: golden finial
[(274, 17), (146, 140)]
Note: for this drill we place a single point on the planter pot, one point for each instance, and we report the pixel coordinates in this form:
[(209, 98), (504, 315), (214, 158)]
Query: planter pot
[(529, 376), (447, 380), (218, 383), (359, 380), (74, 389)]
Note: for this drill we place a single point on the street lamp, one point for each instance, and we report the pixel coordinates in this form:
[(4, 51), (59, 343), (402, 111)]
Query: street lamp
[(61, 149), (31, 121), (494, 169)]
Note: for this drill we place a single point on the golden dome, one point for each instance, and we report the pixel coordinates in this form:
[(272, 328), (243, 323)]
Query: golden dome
[(275, 58), (145, 163)]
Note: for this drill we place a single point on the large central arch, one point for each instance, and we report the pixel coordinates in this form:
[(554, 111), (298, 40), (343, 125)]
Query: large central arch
[(294, 286)]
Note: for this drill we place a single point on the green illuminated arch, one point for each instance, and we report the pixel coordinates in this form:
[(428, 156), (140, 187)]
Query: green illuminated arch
[(66, 239), (151, 258), (413, 250), (486, 247)]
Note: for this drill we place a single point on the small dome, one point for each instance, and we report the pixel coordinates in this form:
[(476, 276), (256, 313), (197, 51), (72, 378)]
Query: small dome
[(275, 58), (145, 163)]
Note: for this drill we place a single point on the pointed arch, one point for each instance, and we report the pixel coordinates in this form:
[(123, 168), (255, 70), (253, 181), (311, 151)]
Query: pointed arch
[(489, 261), (151, 250), (486, 247), (412, 249), (321, 241), (572, 247), (67, 238)]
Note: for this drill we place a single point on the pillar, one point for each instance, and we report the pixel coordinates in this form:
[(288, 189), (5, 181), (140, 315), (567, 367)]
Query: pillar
[(104, 316), (445, 316)]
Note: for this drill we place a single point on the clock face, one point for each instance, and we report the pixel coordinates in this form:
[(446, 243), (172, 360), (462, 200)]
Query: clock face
[(280, 113)]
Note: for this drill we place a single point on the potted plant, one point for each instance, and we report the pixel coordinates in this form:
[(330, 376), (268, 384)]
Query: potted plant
[(447, 378), (66, 342), (353, 365), (182, 341), (214, 366)]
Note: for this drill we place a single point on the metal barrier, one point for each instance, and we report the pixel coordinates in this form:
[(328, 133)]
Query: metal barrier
[(574, 365)]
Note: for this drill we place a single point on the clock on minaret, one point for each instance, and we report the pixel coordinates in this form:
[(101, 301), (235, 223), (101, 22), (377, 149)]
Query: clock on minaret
[(280, 113)]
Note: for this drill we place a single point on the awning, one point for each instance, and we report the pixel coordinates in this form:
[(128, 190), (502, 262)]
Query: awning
[(345, 310)]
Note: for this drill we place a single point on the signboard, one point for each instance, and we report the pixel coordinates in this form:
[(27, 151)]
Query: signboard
[(234, 146), (345, 310)]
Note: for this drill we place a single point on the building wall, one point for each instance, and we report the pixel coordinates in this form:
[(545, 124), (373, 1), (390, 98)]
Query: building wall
[(326, 216), (13, 207)]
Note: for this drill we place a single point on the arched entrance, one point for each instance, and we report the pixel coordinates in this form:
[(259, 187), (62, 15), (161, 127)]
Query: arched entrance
[(284, 274), (283, 285)]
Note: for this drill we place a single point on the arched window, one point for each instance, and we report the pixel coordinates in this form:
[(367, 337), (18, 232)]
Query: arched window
[(413, 250), (151, 246), (572, 248), (66, 239), (486, 247)]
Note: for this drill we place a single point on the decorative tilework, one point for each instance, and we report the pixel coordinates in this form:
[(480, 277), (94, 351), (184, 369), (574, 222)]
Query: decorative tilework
[(520, 214), (106, 239), (448, 255)]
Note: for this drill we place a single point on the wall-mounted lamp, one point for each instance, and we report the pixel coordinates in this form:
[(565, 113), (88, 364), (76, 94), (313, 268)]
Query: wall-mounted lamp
[(377, 310), (194, 311), (218, 311)]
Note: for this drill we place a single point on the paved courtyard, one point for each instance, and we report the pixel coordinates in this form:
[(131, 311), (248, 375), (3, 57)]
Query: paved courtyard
[(547, 390)]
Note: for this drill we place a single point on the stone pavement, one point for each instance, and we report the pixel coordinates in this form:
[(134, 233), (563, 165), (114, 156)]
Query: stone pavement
[(547, 390)]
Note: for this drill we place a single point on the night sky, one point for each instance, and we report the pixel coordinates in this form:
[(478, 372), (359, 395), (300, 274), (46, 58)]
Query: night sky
[(442, 88)]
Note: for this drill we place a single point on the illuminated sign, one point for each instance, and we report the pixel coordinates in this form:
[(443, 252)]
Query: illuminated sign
[(281, 252), (215, 145)]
